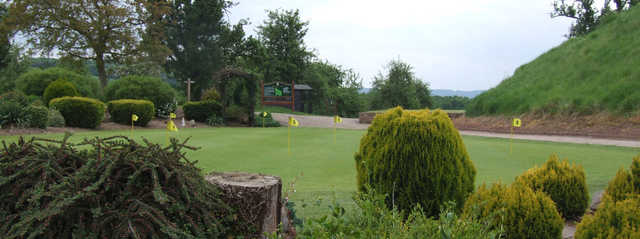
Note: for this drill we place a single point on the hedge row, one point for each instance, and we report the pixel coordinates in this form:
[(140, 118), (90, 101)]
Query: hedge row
[(201, 110), (80, 111), (121, 111)]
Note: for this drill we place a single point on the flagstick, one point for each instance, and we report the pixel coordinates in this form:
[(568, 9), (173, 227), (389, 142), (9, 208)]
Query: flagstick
[(289, 138), (335, 125), (511, 141), (131, 134)]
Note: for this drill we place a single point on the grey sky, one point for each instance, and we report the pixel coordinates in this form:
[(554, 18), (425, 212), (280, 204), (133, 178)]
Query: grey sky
[(462, 45)]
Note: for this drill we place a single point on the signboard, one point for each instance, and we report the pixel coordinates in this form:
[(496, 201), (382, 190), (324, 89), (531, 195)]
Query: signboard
[(277, 90)]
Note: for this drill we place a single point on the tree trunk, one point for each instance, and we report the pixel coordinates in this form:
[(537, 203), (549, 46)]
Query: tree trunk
[(255, 197), (102, 72)]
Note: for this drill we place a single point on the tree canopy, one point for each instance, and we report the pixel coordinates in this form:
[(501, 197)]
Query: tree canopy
[(586, 13), (400, 87)]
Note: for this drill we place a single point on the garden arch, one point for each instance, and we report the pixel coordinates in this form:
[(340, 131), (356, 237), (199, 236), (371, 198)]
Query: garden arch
[(249, 83)]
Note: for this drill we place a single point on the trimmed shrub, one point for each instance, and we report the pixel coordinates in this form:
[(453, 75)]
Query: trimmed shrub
[(625, 183), (144, 88), (522, 212), (80, 111), (59, 88), (201, 110), (121, 111), (236, 113), (210, 94), (613, 219), (564, 183), (15, 96), (108, 188), (55, 118), (35, 81), (415, 157), (35, 117), (267, 121)]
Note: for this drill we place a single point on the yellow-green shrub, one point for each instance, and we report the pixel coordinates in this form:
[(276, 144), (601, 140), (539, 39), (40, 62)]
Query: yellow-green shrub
[(415, 157), (563, 182), (79, 111), (613, 219), (522, 212), (210, 94), (59, 88), (121, 111), (625, 183)]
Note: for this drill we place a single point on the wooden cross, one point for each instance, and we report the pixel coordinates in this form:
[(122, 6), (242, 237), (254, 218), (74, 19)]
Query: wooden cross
[(189, 81)]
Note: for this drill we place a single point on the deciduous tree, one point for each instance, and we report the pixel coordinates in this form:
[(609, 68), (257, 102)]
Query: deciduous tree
[(400, 87)]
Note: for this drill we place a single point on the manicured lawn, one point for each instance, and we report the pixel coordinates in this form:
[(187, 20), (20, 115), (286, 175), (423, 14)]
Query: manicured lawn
[(324, 167)]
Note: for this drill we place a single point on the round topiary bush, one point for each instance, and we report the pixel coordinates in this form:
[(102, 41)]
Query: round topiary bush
[(201, 110), (144, 88), (35, 81), (522, 212), (121, 111), (80, 111), (59, 88), (415, 157), (563, 182)]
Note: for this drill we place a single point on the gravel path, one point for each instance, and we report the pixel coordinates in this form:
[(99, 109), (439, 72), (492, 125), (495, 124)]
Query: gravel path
[(350, 123)]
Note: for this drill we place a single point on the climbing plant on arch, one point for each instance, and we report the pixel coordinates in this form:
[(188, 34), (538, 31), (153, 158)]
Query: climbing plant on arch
[(240, 81)]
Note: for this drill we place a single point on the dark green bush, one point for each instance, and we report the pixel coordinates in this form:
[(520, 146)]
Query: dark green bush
[(55, 118), (15, 96), (80, 111), (35, 117), (236, 113), (215, 120), (267, 121), (522, 212), (201, 110), (416, 157), (59, 88), (121, 111), (10, 113), (625, 183), (144, 88), (35, 81), (563, 182), (108, 188), (613, 219)]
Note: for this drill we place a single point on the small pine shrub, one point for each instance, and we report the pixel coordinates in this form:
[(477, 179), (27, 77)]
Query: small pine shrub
[(210, 94), (267, 121), (35, 117), (55, 118), (625, 183), (416, 157), (121, 111), (35, 81), (564, 183), (59, 88), (613, 219), (201, 110), (144, 88), (80, 111), (522, 212)]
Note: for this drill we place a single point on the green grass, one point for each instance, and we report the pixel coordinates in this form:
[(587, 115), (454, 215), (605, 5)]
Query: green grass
[(590, 74), (328, 167)]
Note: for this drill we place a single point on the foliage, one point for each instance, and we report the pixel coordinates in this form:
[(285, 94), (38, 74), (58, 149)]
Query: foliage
[(586, 14), (400, 87), (236, 113), (450, 102), (122, 110), (372, 219), (35, 117), (105, 32), (59, 88), (625, 183), (417, 157), (581, 76), (524, 213), (5, 44), (613, 219), (265, 121), (55, 118), (36, 81), (79, 111), (10, 113), (210, 94), (563, 182), (15, 96), (107, 188), (215, 120), (16, 63), (201, 110), (144, 88)]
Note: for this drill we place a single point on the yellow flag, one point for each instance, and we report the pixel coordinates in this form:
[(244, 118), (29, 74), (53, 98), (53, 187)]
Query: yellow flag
[(293, 122), (264, 114), (172, 115), (337, 119), (134, 117), (171, 126), (517, 122)]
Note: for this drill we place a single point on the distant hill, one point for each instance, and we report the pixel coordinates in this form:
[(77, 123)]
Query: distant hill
[(599, 72), (442, 92)]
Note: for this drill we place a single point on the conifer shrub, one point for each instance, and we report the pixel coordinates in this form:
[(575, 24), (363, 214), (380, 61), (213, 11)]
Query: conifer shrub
[(520, 211), (201, 110), (80, 111), (613, 219), (108, 188), (563, 182), (625, 183), (210, 94), (415, 157), (59, 88), (121, 111), (266, 121), (144, 88)]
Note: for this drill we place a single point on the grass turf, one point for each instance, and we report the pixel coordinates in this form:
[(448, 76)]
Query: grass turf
[(326, 170)]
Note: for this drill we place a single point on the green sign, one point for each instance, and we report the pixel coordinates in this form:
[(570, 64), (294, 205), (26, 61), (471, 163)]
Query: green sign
[(278, 92)]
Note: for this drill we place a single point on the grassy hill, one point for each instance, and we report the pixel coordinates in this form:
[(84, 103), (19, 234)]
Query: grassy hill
[(599, 72)]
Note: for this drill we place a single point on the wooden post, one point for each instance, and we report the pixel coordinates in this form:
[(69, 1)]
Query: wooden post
[(189, 81)]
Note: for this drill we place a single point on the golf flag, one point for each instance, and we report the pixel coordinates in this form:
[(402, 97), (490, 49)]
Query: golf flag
[(134, 118), (337, 119), (293, 122), (171, 126), (517, 122), (172, 115), (264, 114)]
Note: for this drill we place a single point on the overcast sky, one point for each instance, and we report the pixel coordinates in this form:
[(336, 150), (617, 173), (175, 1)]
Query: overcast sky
[(461, 45)]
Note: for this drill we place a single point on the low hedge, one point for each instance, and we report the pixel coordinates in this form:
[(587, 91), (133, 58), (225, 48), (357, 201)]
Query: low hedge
[(80, 111), (121, 111), (201, 110), (564, 183), (59, 88)]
